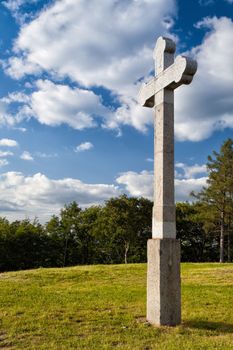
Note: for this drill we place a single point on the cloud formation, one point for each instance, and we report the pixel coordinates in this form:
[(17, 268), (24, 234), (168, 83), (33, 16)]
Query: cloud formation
[(3, 162), (55, 104), (104, 53), (183, 187), (29, 196), (137, 184), (141, 184), (116, 55), (6, 153), (15, 6), (189, 172), (207, 105), (26, 156), (39, 196), (113, 54), (85, 146), (8, 143)]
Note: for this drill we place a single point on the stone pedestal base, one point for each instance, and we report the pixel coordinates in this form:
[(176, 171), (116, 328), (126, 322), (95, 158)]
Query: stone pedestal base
[(163, 282)]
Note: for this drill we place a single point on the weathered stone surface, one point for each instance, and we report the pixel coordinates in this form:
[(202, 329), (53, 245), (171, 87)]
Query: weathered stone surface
[(163, 54), (180, 72), (163, 282), (163, 279), (163, 223), (159, 92)]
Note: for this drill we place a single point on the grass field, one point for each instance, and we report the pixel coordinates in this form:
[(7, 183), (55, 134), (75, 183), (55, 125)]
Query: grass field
[(103, 307)]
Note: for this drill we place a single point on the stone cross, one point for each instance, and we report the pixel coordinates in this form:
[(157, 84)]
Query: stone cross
[(163, 276)]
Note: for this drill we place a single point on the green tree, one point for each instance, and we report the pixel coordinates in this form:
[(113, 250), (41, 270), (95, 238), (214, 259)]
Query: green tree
[(55, 232), (73, 229), (217, 196), (69, 220), (5, 233), (25, 244), (196, 243), (89, 244), (122, 229)]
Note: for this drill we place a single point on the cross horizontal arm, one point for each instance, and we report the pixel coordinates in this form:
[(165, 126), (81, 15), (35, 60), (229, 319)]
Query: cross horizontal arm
[(180, 72)]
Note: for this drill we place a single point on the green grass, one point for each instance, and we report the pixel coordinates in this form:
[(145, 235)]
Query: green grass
[(103, 307)]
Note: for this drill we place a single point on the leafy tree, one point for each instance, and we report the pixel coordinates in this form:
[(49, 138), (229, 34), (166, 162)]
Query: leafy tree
[(69, 221), (5, 233), (54, 231), (196, 243), (74, 232), (87, 222), (122, 229), (25, 244), (217, 196)]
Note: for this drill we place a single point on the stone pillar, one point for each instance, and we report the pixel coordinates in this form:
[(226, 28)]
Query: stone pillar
[(163, 282), (163, 277)]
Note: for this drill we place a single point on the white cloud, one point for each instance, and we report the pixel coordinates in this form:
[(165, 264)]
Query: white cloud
[(184, 187), (39, 196), (26, 156), (20, 129), (6, 153), (207, 105), (85, 146), (29, 196), (141, 184), (10, 117), (46, 155), (105, 52), (8, 143), (5, 117), (130, 113), (16, 97), (3, 162), (113, 53), (190, 171), (14, 5), (55, 104), (137, 184), (116, 54)]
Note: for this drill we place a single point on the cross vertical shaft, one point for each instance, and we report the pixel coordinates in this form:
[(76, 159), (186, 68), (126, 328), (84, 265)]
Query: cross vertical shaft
[(163, 223), (164, 208)]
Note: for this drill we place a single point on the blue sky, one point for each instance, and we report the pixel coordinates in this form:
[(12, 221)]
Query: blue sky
[(70, 125)]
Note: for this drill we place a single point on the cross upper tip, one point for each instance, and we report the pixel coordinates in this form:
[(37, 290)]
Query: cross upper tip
[(164, 44)]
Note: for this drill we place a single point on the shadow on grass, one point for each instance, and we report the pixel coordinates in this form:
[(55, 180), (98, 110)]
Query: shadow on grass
[(220, 327)]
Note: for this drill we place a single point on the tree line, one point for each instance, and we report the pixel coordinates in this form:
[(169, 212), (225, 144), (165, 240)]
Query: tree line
[(117, 232)]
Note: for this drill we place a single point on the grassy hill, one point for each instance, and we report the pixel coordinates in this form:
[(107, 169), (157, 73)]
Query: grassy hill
[(103, 307)]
